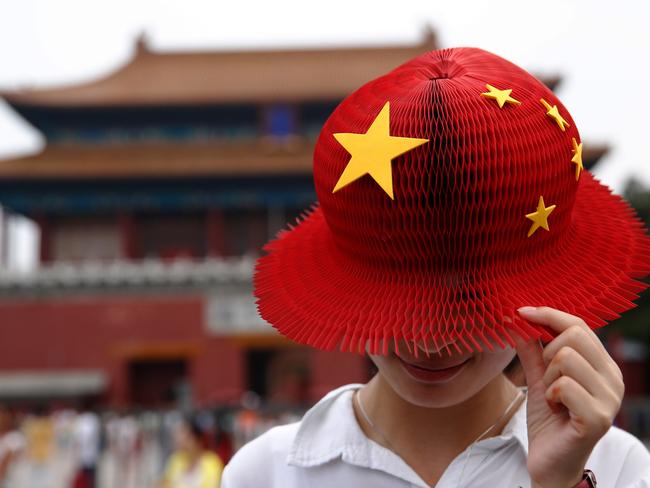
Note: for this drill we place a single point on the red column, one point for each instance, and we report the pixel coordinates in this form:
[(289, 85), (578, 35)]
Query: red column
[(45, 251), (126, 224), (215, 233), (118, 387)]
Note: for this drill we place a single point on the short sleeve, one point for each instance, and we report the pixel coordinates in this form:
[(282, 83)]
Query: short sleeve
[(261, 462), (247, 467)]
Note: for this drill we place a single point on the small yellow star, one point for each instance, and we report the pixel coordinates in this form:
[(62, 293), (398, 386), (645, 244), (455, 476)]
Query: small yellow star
[(554, 113), (373, 152), (540, 216), (501, 96), (577, 157)]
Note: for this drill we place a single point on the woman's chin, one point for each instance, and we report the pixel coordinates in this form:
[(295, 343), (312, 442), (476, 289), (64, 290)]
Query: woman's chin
[(441, 381)]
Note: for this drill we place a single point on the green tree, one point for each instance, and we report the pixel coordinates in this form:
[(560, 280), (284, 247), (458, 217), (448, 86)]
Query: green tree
[(635, 323)]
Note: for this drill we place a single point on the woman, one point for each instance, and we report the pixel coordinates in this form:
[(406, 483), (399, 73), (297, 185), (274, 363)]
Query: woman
[(191, 466), (456, 229)]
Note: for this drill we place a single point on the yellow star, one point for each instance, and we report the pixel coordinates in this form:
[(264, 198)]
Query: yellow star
[(373, 152), (577, 157), (501, 96), (540, 216), (554, 113)]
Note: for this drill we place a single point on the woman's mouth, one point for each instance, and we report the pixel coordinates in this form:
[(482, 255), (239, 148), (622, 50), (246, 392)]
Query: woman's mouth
[(430, 373)]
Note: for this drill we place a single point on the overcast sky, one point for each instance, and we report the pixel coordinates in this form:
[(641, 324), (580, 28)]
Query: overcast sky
[(599, 47)]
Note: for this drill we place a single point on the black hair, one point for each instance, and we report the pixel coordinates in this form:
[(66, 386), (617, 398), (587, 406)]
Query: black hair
[(512, 366), (193, 427)]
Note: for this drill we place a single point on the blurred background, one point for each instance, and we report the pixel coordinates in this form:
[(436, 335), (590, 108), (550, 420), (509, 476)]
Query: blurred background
[(147, 151)]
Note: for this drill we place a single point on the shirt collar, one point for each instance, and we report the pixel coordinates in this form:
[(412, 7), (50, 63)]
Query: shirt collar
[(326, 429), (516, 428), (330, 430)]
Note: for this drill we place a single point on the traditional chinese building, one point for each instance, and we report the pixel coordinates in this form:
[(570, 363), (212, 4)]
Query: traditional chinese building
[(155, 190)]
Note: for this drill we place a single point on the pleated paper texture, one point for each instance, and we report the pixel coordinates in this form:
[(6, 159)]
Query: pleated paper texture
[(448, 258)]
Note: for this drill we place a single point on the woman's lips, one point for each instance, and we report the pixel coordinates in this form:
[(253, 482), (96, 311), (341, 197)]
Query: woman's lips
[(432, 373)]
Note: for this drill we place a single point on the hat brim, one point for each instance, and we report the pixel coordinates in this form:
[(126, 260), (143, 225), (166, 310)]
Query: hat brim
[(315, 295)]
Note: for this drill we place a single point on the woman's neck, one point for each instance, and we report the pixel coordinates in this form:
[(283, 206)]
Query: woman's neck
[(409, 429)]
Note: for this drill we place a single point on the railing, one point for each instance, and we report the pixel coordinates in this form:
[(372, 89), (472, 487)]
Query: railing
[(124, 273)]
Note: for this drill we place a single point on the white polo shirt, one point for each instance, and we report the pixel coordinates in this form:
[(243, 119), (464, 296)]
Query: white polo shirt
[(328, 449)]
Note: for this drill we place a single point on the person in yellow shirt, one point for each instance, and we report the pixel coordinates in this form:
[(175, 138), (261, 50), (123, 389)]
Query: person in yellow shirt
[(39, 433), (191, 465)]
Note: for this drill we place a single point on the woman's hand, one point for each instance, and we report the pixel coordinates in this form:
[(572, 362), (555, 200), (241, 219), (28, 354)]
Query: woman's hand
[(575, 390)]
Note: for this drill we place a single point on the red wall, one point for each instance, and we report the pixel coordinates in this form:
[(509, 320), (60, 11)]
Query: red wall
[(107, 333)]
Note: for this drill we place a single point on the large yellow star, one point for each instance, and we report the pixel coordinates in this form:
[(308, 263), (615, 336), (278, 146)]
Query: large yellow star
[(373, 152), (540, 216), (554, 113), (501, 96), (577, 157)]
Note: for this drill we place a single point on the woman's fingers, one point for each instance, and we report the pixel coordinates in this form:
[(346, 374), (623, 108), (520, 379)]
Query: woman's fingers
[(555, 319), (590, 418), (577, 338), (597, 357), (580, 375), (578, 354), (568, 362), (573, 332)]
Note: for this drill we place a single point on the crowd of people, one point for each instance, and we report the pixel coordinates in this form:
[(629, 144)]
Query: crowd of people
[(68, 448)]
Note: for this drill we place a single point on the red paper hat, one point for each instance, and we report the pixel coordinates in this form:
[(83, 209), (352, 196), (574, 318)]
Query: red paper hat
[(451, 193)]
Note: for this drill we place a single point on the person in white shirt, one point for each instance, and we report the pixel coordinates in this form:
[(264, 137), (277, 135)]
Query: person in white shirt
[(88, 439), (419, 431), (456, 229)]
